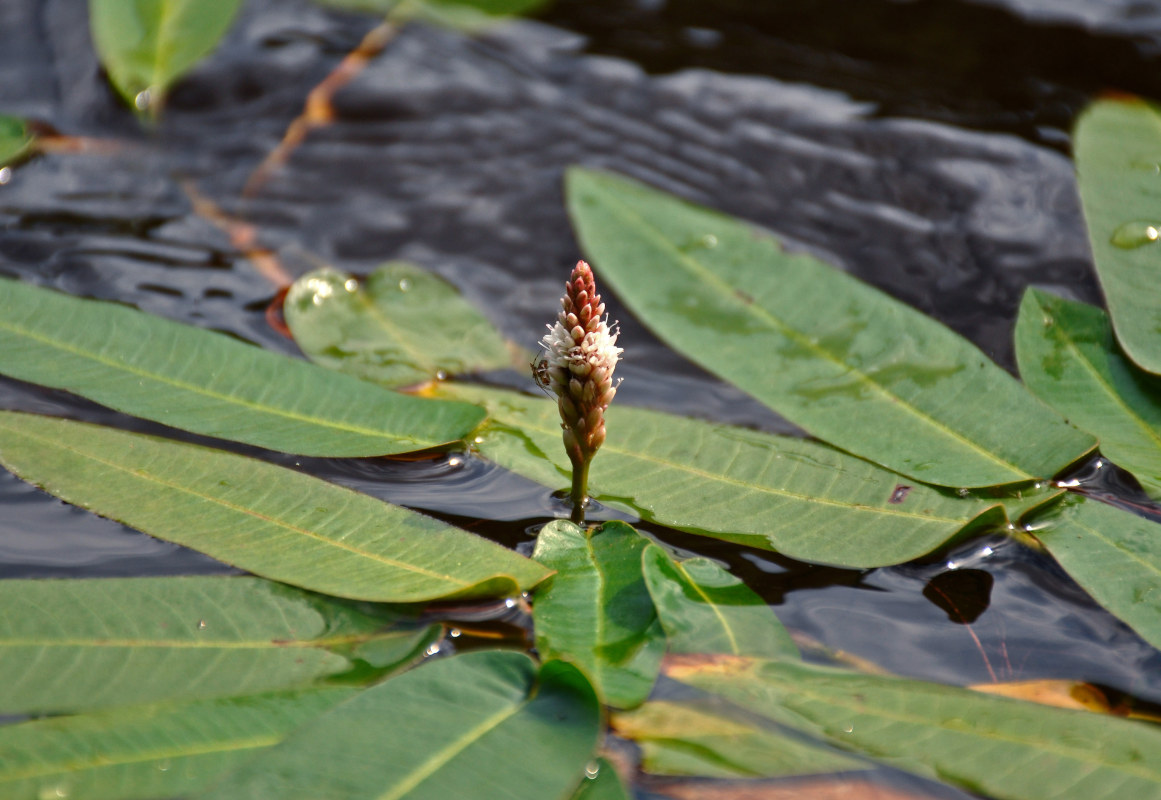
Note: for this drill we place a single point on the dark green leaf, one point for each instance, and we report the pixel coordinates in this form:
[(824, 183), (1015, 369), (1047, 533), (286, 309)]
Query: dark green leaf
[(151, 751), (1118, 157), (209, 383), (605, 785), (16, 140), (465, 15), (597, 612), (849, 364), (146, 45), (266, 519), (705, 609), (699, 738), (80, 644), (994, 746), (1069, 358), (483, 724), (1115, 555), (404, 327), (800, 498)]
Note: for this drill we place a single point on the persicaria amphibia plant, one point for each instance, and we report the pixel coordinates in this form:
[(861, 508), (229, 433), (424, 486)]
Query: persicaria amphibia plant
[(580, 355)]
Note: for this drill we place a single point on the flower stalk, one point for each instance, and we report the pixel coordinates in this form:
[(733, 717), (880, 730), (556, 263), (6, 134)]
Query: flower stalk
[(580, 355)]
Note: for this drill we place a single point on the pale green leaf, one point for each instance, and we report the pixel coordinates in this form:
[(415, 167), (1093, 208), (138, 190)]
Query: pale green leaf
[(266, 519), (799, 498), (209, 383), (146, 45), (1118, 164), (705, 609), (151, 751), (1069, 358), (597, 612), (484, 724), (992, 746), (840, 359), (1114, 555), (403, 327), (16, 141), (698, 738), (82, 644)]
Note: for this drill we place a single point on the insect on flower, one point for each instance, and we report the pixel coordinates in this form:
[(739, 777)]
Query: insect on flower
[(542, 372)]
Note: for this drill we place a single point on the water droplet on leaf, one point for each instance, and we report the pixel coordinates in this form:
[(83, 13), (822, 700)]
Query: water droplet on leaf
[(404, 284), (143, 100), (5, 175), (592, 770), (201, 624), (1137, 233)]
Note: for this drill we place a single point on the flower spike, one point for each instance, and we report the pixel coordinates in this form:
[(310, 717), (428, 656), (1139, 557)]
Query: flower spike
[(580, 355)]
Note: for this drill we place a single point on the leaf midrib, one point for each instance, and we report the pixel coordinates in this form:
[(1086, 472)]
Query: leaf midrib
[(226, 399), (272, 644), (697, 269), (243, 510), (714, 606)]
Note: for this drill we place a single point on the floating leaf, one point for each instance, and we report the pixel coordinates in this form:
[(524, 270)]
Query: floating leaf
[(605, 785), (846, 362), (483, 724), (404, 327), (81, 644), (163, 750), (699, 738), (16, 140), (1118, 159), (147, 45), (799, 498), (989, 745), (1069, 358), (209, 383), (266, 519), (597, 612), (1113, 554), (705, 609)]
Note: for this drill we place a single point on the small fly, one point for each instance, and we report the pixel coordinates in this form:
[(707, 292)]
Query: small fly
[(541, 372)]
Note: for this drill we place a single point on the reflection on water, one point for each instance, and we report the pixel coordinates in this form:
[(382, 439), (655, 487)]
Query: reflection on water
[(825, 122)]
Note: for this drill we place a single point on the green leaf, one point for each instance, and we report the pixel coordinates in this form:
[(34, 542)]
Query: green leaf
[(597, 612), (483, 724), (146, 45), (1118, 157), (988, 745), (163, 750), (464, 15), (605, 785), (16, 141), (404, 327), (700, 738), (1113, 554), (82, 644), (266, 519), (846, 362), (705, 609), (800, 498), (1069, 359), (209, 383)]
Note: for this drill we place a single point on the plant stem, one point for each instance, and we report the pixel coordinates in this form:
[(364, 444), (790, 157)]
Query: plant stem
[(580, 486)]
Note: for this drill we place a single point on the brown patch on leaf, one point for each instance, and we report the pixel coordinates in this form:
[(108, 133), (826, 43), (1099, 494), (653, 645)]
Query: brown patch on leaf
[(831, 788), (677, 665), (899, 494), (1059, 693)]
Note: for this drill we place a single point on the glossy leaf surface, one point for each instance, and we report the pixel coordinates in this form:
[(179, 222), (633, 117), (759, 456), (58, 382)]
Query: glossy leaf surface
[(15, 140), (705, 609), (146, 45), (144, 752), (1118, 154), (266, 519), (597, 612), (83, 644), (849, 364), (208, 383), (482, 724), (799, 498), (403, 327), (993, 746), (606, 785), (1070, 359), (698, 739), (1113, 554)]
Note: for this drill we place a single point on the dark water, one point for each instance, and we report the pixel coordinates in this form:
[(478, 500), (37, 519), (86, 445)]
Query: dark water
[(919, 145)]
